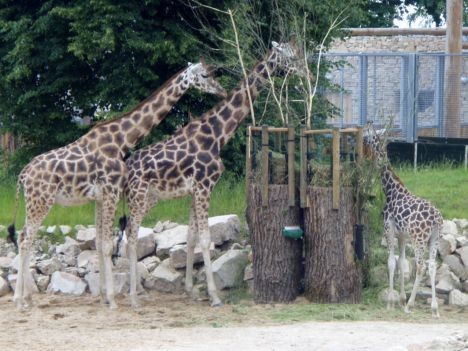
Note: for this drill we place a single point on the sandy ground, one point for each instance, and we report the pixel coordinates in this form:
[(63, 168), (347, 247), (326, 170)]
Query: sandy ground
[(170, 322)]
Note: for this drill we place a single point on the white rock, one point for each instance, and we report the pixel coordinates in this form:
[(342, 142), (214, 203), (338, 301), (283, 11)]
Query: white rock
[(169, 225), (142, 271), (462, 224), (15, 263), (146, 244), (169, 238), (70, 247), (65, 229), (92, 279), (447, 245), (5, 263), (49, 266), (456, 266), (449, 227), (86, 238), (42, 282), (463, 252), (79, 227), (66, 283), (447, 283), (86, 257), (228, 269), (178, 255), (248, 272), (159, 227), (151, 262), (224, 228), (165, 278), (461, 241), (4, 287), (121, 283), (51, 229), (457, 298)]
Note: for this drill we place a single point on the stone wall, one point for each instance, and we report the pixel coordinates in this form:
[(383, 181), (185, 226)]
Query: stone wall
[(384, 76)]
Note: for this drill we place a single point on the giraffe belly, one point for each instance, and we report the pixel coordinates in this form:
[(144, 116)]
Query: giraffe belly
[(67, 200), (171, 191)]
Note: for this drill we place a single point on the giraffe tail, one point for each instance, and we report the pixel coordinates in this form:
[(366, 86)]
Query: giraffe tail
[(11, 229)]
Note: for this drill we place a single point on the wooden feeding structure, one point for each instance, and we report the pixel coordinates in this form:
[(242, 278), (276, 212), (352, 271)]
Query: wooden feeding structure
[(331, 271), (274, 220)]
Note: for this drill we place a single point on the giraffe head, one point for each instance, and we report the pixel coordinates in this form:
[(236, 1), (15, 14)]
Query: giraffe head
[(375, 142), (289, 57), (200, 76)]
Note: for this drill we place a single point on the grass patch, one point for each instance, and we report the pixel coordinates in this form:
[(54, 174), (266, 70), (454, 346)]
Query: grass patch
[(228, 198)]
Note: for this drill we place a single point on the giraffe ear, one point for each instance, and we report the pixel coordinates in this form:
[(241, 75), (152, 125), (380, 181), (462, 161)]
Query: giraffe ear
[(274, 44), (202, 60)]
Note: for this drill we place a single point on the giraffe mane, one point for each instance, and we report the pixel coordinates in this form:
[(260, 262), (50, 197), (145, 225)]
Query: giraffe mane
[(141, 103)]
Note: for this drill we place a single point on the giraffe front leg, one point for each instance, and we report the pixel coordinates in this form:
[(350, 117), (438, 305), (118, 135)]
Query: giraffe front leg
[(108, 213), (401, 264), (102, 270), (191, 241), (420, 270), (201, 208), (433, 247), (389, 234)]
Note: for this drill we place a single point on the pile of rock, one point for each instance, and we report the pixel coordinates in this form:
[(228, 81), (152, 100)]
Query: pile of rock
[(73, 267), (452, 275)]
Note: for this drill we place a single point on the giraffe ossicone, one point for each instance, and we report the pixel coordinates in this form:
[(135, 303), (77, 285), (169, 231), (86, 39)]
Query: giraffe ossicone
[(92, 168), (405, 216), (189, 163)]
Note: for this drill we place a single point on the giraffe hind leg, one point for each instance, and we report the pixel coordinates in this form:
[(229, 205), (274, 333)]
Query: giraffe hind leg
[(433, 247), (420, 270)]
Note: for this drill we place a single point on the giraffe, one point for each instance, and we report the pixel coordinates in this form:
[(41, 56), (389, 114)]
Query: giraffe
[(93, 168), (189, 163), (406, 216)]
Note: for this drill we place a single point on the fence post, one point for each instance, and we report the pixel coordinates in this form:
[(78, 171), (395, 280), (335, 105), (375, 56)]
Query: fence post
[(336, 169), (363, 89), (265, 165), (248, 159), (439, 95), (360, 144), (303, 173), (291, 173)]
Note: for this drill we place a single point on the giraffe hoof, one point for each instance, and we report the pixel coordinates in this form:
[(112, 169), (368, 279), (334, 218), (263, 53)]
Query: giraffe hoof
[(407, 310), (217, 304), (112, 305), (135, 304)]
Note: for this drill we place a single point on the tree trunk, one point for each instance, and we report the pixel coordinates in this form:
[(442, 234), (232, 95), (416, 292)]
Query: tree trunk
[(331, 273), (277, 261)]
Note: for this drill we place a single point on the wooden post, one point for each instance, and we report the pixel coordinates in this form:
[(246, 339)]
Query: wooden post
[(331, 273), (277, 260), (248, 159), (360, 145), (303, 172), (453, 69), (336, 168), (265, 165), (291, 173)]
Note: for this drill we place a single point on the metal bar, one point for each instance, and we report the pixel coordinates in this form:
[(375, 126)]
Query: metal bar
[(303, 160), (265, 165), (399, 31), (415, 157), (404, 78), (439, 95), (271, 129), (363, 90), (336, 170), (291, 173), (412, 99)]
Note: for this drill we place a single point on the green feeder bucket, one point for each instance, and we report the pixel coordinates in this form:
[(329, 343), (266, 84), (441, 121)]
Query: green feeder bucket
[(292, 232)]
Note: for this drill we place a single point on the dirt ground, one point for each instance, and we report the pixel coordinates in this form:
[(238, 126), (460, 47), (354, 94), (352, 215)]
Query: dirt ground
[(170, 322)]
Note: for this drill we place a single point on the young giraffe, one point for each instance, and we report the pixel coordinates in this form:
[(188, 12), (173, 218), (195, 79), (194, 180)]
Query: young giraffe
[(93, 168), (188, 163), (406, 215)]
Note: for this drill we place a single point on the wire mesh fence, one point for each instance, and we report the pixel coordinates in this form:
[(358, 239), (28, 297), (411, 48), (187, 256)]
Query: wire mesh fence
[(424, 94)]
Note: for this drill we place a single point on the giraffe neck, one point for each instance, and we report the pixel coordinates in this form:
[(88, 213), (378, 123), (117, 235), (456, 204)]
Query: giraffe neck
[(391, 183), (125, 132), (233, 110)]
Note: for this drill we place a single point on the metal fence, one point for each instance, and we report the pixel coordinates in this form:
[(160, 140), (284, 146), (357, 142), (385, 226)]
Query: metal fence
[(413, 89)]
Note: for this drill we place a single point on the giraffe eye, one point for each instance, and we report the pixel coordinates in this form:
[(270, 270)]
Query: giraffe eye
[(204, 75)]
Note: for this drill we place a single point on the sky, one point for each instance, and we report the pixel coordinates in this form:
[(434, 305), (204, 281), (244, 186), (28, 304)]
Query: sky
[(420, 22)]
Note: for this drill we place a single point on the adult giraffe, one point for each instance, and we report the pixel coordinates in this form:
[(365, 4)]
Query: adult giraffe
[(93, 168), (406, 216), (188, 163)]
